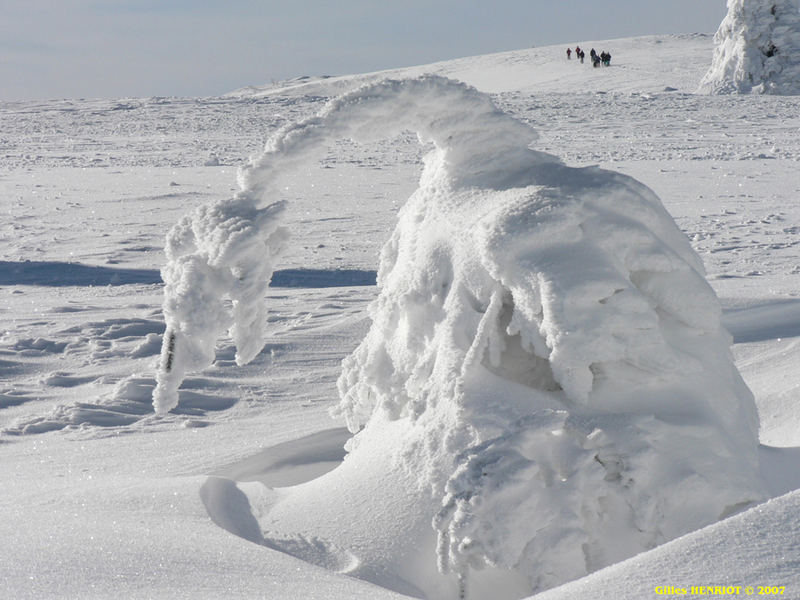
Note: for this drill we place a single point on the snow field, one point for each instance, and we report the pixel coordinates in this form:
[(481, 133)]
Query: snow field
[(725, 170)]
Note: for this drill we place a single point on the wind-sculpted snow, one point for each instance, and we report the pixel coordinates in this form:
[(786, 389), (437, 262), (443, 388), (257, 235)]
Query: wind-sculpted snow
[(545, 388), (757, 49)]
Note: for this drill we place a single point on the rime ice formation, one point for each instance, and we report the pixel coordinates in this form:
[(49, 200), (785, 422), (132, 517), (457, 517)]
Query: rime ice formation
[(545, 388), (221, 252), (757, 49)]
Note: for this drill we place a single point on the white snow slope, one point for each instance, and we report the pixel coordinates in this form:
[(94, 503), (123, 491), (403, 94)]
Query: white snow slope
[(105, 498)]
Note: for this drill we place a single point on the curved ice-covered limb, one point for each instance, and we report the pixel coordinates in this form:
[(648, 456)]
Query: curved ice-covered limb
[(225, 251)]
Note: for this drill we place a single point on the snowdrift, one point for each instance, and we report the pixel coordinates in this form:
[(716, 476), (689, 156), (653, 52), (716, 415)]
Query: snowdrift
[(545, 389), (757, 49)]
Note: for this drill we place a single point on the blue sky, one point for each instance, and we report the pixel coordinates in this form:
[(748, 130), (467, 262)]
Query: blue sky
[(115, 48)]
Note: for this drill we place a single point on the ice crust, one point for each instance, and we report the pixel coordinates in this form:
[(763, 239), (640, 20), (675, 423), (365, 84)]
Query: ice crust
[(544, 334), (757, 49)]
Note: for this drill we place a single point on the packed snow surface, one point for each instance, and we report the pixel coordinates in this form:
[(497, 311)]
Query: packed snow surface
[(757, 49), (241, 490)]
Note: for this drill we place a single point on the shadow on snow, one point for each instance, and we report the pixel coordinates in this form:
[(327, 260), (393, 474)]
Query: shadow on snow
[(62, 274)]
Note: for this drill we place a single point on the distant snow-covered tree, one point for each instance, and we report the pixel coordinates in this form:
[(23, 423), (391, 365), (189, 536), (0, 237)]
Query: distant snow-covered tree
[(757, 49)]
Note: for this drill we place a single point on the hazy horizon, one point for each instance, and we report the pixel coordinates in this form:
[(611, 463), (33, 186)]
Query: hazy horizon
[(108, 48)]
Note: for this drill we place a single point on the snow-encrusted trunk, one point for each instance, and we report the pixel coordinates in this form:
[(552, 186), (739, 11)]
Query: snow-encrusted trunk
[(757, 49)]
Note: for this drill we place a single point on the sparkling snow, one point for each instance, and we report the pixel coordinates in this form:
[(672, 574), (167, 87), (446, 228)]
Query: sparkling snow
[(104, 497)]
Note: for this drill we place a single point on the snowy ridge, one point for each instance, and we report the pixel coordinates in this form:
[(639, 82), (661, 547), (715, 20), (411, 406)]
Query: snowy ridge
[(639, 64), (753, 549)]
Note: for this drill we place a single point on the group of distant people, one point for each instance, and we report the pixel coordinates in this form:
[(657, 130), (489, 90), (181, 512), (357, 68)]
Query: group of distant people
[(604, 58)]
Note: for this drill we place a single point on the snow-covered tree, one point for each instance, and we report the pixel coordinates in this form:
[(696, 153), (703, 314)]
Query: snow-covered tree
[(546, 387), (757, 49)]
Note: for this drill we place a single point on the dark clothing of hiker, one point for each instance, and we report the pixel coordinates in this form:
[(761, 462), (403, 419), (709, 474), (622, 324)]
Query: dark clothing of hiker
[(569, 53)]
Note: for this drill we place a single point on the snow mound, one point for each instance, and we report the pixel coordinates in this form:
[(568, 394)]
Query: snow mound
[(757, 49), (545, 388)]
